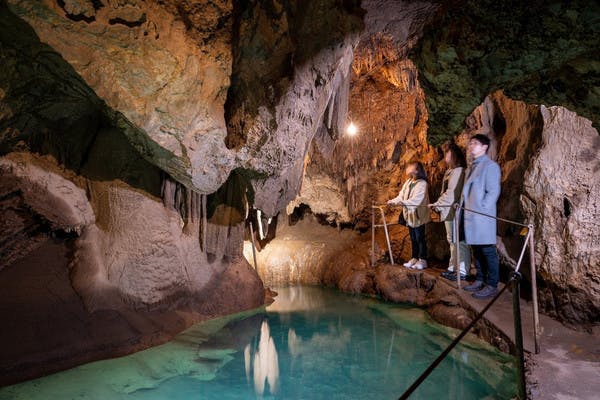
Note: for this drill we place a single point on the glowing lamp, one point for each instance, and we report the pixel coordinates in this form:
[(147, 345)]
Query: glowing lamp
[(351, 129)]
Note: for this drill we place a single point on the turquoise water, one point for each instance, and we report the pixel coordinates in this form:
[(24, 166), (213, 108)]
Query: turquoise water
[(312, 343)]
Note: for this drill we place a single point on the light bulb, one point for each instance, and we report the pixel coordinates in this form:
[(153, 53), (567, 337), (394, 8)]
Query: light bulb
[(352, 129)]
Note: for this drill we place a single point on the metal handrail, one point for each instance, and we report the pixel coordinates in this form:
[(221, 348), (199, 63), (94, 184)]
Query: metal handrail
[(387, 235), (515, 279), (529, 240)]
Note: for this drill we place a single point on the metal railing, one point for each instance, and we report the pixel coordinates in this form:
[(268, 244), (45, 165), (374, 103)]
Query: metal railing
[(514, 280)]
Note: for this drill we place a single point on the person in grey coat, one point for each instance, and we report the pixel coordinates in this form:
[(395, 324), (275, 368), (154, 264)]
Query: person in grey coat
[(452, 186), (480, 193)]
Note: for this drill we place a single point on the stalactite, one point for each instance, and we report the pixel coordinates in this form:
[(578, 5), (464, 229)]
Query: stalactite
[(342, 101), (167, 191), (204, 226), (330, 108), (190, 205)]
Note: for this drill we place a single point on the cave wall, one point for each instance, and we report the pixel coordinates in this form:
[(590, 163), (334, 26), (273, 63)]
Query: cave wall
[(167, 67), (560, 197), (542, 52), (137, 92), (549, 158), (119, 111), (344, 178)]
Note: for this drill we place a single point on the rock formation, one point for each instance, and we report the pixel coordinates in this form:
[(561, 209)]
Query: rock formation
[(542, 52), (141, 135), (125, 103), (560, 197)]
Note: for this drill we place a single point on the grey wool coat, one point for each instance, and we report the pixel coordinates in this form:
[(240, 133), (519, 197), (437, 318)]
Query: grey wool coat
[(480, 193)]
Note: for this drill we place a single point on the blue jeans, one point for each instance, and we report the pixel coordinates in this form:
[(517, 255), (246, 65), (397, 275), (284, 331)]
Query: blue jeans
[(486, 262), (417, 240)]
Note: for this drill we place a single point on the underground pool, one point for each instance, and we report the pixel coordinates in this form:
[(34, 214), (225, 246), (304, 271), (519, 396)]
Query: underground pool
[(311, 343)]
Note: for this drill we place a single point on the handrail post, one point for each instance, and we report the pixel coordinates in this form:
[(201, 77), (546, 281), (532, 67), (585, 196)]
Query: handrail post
[(372, 234), (534, 298), (456, 244), (522, 390), (387, 235)]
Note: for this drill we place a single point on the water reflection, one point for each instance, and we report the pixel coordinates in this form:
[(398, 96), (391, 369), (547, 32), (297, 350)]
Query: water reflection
[(311, 344), (265, 365), (298, 298)]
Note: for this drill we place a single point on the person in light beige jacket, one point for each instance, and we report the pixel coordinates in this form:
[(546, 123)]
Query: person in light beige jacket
[(413, 198), (452, 186)]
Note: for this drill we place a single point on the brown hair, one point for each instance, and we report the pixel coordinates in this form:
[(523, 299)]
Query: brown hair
[(457, 157), (420, 169)]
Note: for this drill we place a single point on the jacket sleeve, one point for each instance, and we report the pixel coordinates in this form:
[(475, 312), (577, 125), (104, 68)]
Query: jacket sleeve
[(417, 195), (492, 186), (447, 198), (398, 199)]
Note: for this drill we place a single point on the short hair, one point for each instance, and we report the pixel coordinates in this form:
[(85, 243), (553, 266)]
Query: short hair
[(456, 154), (483, 139)]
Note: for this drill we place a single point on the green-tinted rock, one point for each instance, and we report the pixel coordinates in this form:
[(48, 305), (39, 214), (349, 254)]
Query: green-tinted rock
[(543, 52)]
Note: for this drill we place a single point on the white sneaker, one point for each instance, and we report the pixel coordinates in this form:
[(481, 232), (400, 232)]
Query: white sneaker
[(421, 264), (410, 264), (451, 268)]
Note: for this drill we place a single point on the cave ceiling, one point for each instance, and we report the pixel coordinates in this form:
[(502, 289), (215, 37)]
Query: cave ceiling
[(202, 88), (541, 52)]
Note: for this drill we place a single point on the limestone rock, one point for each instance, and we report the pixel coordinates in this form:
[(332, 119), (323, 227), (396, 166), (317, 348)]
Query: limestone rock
[(156, 75), (280, 93), (400, 285), (560, 198), (79, 9), (548, 158), (166, 67), (324, 197), (139, 251), (306, 253), (48, 190)]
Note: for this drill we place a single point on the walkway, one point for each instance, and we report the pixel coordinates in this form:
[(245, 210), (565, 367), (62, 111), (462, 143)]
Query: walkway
[(568, 366)]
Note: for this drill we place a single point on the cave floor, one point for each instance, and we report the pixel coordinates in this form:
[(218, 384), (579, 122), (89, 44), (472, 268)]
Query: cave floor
[(568, 365)]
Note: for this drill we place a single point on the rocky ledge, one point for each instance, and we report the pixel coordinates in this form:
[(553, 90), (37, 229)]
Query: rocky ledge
[(421, 288)]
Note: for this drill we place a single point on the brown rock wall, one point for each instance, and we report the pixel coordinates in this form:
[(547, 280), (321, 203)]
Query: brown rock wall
[(549, 158), (143, 61)]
